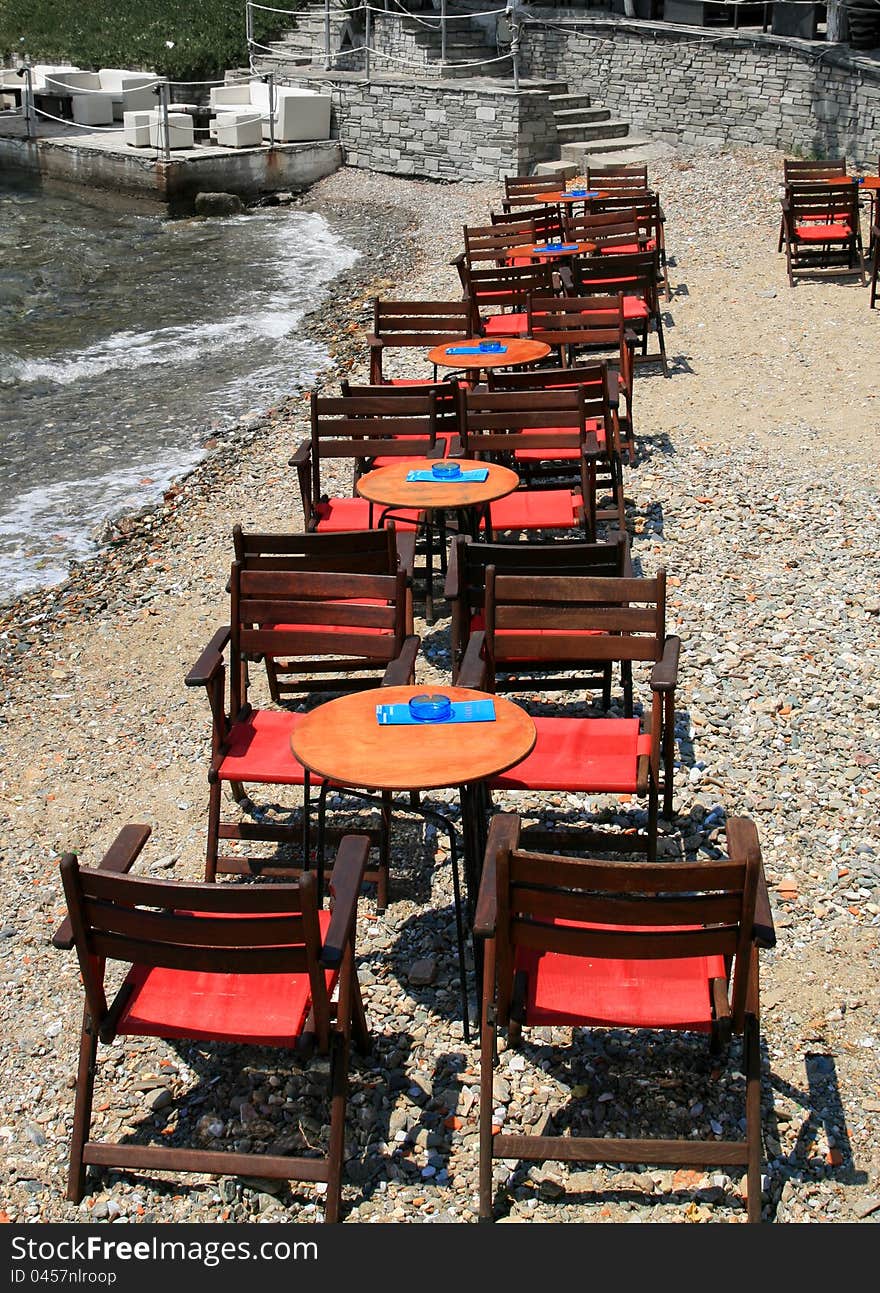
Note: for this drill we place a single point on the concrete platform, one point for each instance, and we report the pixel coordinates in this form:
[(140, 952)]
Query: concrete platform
[(103, 161)]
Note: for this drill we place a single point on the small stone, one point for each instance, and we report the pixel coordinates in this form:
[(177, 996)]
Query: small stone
[(158, 1099), (422, 973)]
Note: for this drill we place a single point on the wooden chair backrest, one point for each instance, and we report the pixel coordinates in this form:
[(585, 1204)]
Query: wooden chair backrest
[(147, 922), (624, 910), (496, 243), (444, 392), (364, 427), (625, 619), (520, 185), (802, 169), (352, 551), (642, 204), (493, 423), (420, 323), (833, 203), (617, 177), (607, 228), (579, 322), (315, 621), (546, 220), (627, 273), (507, 286), (593, 375)]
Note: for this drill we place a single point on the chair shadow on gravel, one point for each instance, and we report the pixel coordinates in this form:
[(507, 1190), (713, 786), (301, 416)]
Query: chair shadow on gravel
[(823, 1111)]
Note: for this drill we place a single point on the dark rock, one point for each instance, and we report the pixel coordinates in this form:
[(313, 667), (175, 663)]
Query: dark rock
[(218, 204)]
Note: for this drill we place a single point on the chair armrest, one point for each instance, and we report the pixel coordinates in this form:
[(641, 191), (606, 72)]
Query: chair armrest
[(474, 671), (459, 260), (119, 858), (406, 551), (664, 675), (742, 840), (503, 834), (400, 670), (205, 668), (345, 886), (301, 455), (374, 342), (613, 387)]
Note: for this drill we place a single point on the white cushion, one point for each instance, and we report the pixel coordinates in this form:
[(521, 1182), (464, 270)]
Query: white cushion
[(70, 81), (238, 129), (92, 109), (180, 130), (228, 95), (137, 129)]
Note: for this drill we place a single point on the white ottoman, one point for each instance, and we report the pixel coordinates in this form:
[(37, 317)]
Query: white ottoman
[(136, 126), (92, 109), (237, 128), (180, 130)]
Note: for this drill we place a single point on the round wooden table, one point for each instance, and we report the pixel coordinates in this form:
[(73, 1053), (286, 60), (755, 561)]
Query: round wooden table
[(589, 195), (389, 488), (540, 250), (517, 350), (343, 743)]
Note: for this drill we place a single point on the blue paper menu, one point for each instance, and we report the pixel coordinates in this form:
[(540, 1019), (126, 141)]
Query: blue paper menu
[(463, 711)]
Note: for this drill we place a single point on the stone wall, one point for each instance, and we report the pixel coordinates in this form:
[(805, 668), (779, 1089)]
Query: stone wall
[(459, 129), (689, 85)]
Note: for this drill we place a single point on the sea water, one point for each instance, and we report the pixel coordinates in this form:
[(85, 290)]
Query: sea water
[(124, 340)]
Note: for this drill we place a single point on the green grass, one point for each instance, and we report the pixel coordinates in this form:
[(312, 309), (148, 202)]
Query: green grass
[(208, 35)]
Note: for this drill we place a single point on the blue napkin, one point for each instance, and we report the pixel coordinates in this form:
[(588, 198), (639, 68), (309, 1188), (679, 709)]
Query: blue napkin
[(555, 246), (490, 348), (479, 473), (582, 193), (463, 711)]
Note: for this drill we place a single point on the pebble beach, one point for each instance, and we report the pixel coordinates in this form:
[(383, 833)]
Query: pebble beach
[(756, 488)]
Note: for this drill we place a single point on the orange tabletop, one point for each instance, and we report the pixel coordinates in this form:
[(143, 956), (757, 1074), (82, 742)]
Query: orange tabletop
[(871, 182), (517, 350), (591, 195), (570, 249), (389, 486), (342, 741)]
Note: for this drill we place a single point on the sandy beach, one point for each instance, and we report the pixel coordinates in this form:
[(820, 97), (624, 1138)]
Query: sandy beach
[(756, 488)]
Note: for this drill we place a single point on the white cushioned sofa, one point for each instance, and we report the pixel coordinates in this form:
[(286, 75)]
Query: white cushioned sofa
[(300, 114)]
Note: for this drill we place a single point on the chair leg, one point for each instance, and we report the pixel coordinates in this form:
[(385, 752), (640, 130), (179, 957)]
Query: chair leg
[(652, 821), (668, 755), (82, 1113), (487, 1054), (336, 1149), (359, 1029), (212, 843), (384, 853), (661, 342), (752, 1065)]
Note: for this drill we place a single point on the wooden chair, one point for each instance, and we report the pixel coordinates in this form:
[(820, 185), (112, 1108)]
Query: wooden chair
[(651, 221), (503, 291), (585, 327), (253, 965), (401, 325), (516, 186), (334, 632), (635, 277), (497, 244), (875, 265), (611, 231), (546, 220), (578, 619), (539, 465), (496, 425), (370, 552), (582, 943), (599, 382), (466, 593), (363, 429), (821, 228), (445, 414), (799, 171)]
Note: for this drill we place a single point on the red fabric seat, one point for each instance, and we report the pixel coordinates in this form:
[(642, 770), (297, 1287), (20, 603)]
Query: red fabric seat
[(253, 1009), (354, 514), (535, 509), (259, 750), (596, 425), (580, 991), (505, 325), (622, 248), (822, 232), (597, 755)]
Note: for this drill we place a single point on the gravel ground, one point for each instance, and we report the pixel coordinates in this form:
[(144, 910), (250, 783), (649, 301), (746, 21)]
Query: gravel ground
[(757, 491)]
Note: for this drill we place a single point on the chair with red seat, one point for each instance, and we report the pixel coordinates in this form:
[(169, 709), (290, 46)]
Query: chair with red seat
[(504, 243), (599, 382), (466, 594), (518, 186), (611, 231), (651, 220), (636, 278), (617, 178), (580, 943), (414, 324), (573, 620), (332, 631), (253, 965), (499, 425), (499, 294), (821, 228), (546, 220), (799, 170), (579, 328)]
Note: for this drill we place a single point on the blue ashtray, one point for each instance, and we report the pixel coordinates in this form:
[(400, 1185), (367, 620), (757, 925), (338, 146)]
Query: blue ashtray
[(430, 707), (446, 470), (860, 179), (491, 347)]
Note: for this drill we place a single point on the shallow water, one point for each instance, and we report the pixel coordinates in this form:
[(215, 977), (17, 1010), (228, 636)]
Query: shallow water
[(124, 339)]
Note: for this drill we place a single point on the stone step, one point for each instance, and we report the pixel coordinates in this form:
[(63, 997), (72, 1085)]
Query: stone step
[(578, 152), (608, 128), (566, 116), (568, 169), (559, 102)]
